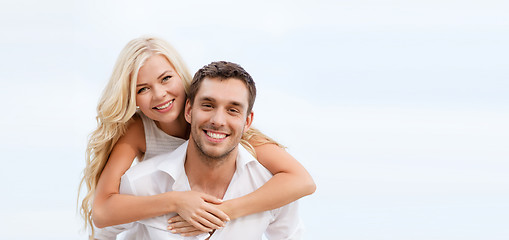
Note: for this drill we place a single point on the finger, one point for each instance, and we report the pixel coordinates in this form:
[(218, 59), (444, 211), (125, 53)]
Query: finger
[(204, 220), (212, 217), (176, 218), (217, 213), (197, 224), (184, 229), (193, 233), (180, 224), (211, 199)]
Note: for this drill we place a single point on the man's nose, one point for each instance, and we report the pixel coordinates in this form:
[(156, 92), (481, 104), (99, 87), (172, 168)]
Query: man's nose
[(218, 118)]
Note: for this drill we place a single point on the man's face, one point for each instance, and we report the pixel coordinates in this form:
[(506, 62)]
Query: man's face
[(218, 116)]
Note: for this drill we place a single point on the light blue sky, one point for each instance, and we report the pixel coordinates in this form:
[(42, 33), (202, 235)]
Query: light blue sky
[(399, 109)]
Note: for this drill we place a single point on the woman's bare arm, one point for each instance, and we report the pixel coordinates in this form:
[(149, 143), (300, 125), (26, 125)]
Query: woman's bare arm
[(290, 182), (111, 208)]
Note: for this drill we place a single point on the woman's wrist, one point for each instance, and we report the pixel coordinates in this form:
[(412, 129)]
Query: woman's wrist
[(230, 207), (170, 201)]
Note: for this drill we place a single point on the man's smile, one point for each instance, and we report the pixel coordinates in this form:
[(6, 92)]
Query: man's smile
[(216, 135)]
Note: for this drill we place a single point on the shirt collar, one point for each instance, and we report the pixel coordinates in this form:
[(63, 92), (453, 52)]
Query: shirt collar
[(243, 158), (174, 165)]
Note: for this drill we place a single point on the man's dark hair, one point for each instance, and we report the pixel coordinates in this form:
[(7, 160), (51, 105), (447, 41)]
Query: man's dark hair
[(223, 70)]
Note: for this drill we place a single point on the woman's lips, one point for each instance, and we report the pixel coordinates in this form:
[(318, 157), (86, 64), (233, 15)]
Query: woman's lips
[(164, 106)]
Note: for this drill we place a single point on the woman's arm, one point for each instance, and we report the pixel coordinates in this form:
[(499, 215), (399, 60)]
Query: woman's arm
[(290, 182), (112, 208)]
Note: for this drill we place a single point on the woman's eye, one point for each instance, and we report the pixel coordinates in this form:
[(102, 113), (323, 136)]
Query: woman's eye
[(166, 79), (142, 90)]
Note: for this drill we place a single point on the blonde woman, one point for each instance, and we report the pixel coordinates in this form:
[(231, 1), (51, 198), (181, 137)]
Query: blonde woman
[(140, 115)]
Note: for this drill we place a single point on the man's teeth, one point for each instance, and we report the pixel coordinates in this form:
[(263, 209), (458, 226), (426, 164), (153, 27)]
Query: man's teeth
[(165, 105), (216, 135)]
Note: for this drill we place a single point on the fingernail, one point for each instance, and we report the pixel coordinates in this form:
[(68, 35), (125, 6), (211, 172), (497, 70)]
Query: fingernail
[(173, 231), (227, 219)]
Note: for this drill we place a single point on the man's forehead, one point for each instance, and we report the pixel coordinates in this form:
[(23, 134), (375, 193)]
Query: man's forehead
[(223, 80), (222, 89)]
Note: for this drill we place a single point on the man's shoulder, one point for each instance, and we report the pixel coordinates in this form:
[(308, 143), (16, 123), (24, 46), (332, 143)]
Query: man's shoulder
[(157, 163), (142, 179), (147, 166), (251, 167), (155, 174)]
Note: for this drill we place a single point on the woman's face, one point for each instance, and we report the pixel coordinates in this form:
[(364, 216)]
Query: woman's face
[(160, 94)]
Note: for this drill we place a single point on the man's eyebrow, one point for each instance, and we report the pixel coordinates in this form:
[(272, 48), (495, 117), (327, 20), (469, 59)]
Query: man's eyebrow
[(211, 99), (234, 103), (207, 99)]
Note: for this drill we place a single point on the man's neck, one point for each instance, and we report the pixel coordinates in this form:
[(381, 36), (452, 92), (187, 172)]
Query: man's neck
[(211, 176)]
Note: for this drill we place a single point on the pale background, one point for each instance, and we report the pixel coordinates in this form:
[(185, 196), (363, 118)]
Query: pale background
[(399, 109)]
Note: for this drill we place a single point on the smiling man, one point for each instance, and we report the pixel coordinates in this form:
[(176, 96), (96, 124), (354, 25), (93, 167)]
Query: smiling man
[(212, 161)]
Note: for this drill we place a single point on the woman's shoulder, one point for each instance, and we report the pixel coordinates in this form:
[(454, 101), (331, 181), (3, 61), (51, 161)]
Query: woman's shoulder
[(135, 133), (135, 123)]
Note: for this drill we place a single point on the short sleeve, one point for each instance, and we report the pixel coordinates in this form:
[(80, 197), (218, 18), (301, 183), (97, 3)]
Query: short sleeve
[(110, 233), (286, 223)]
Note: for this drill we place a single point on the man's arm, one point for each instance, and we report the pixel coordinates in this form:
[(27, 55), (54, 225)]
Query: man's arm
[(110, 233), (285, 224)]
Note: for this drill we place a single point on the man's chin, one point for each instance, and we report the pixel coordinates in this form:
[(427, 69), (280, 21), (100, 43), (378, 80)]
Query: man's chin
[(215, 154)]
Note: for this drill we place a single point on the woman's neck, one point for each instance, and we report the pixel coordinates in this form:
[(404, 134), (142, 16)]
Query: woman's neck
[(177, 128)]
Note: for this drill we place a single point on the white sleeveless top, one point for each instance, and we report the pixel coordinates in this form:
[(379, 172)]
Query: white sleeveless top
[(156, 140)]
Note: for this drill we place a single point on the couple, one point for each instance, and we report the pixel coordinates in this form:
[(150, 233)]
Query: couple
[(141, 114)]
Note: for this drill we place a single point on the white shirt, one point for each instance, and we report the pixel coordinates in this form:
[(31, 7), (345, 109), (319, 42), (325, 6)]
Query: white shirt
[(166, 172)]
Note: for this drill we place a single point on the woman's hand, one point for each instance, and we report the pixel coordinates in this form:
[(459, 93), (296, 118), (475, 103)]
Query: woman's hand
[(180, 226), (199, 211)]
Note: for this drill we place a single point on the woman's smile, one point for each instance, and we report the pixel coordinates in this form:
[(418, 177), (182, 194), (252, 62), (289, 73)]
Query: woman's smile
[(164, 107)]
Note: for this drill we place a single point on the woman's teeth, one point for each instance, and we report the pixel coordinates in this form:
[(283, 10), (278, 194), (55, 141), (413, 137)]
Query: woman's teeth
[(165, 105), (216, 135)]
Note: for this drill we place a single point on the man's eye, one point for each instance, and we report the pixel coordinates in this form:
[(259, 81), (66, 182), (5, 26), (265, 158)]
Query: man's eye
[(207, 105), (142, 90), (233, 110)]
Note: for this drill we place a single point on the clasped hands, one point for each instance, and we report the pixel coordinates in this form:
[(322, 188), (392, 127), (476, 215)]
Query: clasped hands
[(197, 213)]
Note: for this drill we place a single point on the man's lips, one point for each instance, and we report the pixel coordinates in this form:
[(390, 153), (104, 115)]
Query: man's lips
[(216, 135)]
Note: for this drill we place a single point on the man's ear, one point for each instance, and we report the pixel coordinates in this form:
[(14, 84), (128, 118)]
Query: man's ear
[(187, 113), (249, 120)]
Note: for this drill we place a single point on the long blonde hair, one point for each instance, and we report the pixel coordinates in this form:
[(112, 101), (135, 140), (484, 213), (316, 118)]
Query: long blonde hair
[(256, 137), (117, 106)]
